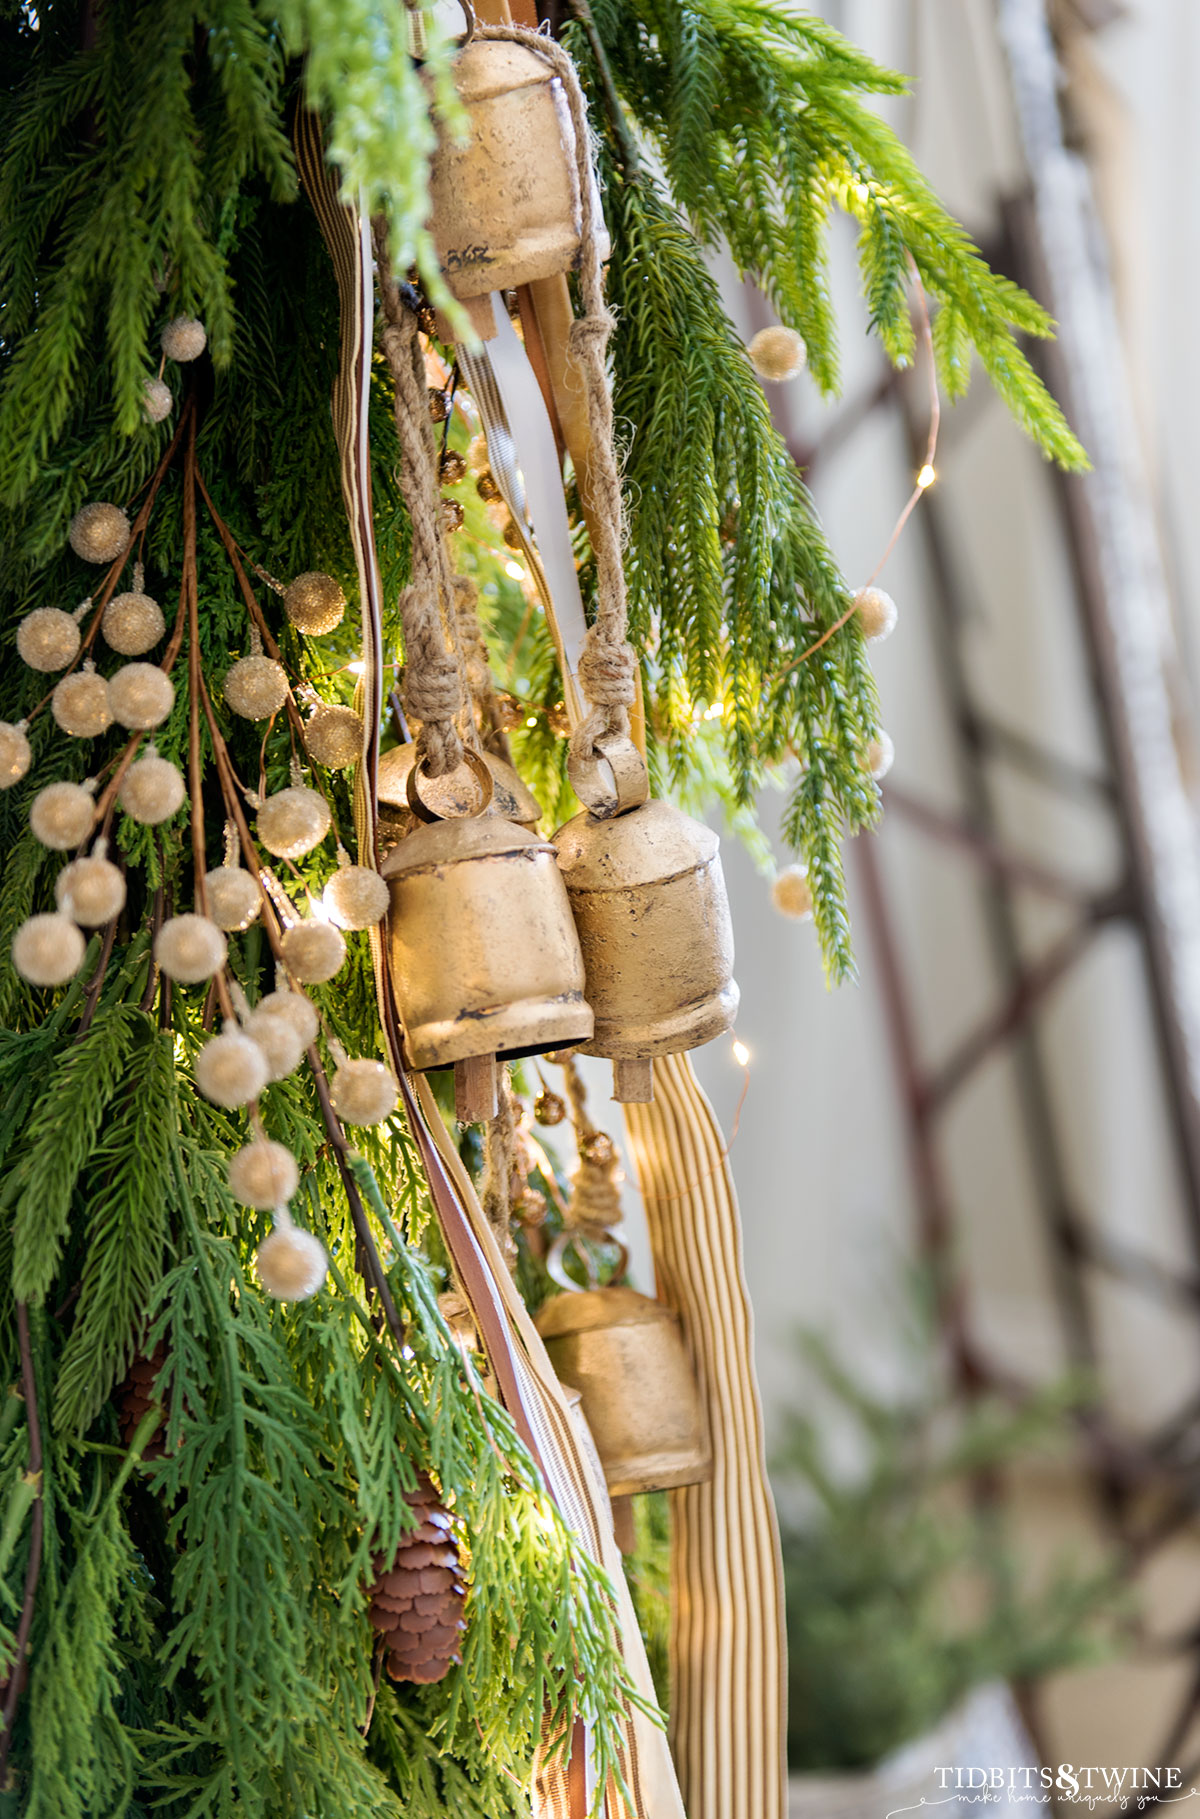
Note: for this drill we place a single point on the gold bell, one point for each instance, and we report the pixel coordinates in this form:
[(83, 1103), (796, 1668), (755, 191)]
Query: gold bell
[(648, 895), (485, 960), (624, 1353), (506, 196)]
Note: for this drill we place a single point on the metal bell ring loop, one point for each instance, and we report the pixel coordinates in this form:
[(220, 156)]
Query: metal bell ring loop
[(613, 780), (483, 777)]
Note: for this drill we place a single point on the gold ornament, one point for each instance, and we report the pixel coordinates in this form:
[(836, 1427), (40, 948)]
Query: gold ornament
[(99, 532), (132, 623), (791, 893), (234, 898), (279, 1040), (649, 901), (451, 468), (48, 639), (549, 1108), (157, 401), (625, 1354), (15, 755), (80, 704), (363, 1092), (356, 897), (313, 951), (314, 603), (452, 515), (439, 404), (512, 534), (263, 1174), (876, 612), (231, 1070), (140, 696), (510, 712), (777, 353), (558, 720), (291, 1262), (61, 815), (880, 756), (92, 890), (48, 950), (485, 958), (184, 339), (256, 687), (487, 489), (293, 821), (333, 736), (151, 790), (506, 203), (190, 948)]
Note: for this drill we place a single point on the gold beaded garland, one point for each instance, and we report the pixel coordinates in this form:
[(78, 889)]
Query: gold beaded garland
[(91, 891), (452, 515), (184, 339), (256, 687), (157, 401), (363, 1092), (231, 1070), (777, 353), (291, 1263), (132, 623), (234, 898), (314, 603), (61, 816), (140, 696), (190, 948), (487, 489), (48, 639), (549, 1108), (151, 790), (877, 613), (313, 951), (293, 821), (356, 897), (99, 532), (264, 1174), (48, 950), (451, 468), (15, 755), (80, 704), (439, 404), (333, 736), (512, 535), (791, 893)]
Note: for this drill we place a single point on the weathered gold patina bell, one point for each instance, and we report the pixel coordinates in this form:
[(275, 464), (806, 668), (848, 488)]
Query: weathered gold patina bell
[(484, 956), (648, 896), (506, 195), (625, 1354)]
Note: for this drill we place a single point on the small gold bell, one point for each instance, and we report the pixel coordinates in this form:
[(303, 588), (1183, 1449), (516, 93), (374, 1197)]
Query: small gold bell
[(485, 960), (505, 197), (625, 1355), (648, 896)]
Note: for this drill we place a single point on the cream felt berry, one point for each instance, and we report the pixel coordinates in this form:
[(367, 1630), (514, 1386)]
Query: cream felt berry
[(91, 890), (61, 815), (291, 1263), (48, 950), (313, 951), (190, 948), (263, 1174), (151, 790), (99, 532), (231, 1070)]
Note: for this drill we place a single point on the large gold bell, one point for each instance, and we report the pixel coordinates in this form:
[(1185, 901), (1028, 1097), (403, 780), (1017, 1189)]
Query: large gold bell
[(648, 895), (485, 960), (506, 196), (625, 1355)]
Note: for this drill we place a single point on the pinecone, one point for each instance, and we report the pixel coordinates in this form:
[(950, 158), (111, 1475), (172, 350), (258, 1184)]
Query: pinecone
[(417, 1603), (136, 1395)]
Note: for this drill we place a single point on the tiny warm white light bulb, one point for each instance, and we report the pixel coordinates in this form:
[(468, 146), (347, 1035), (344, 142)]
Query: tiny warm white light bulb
[(741, 1053), (532, 720), (357, 668), (926, 477), (514, 571)]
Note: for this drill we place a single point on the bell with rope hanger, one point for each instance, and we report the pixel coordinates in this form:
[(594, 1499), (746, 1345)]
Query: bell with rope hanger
[(485, 961), (648, 896)]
